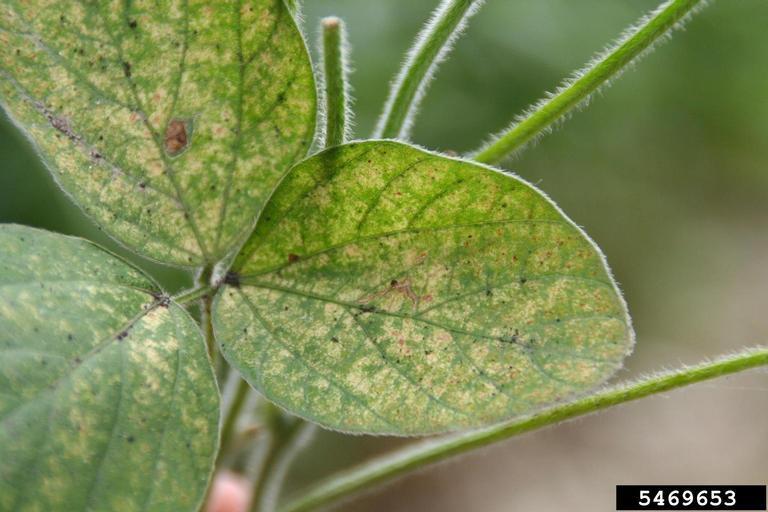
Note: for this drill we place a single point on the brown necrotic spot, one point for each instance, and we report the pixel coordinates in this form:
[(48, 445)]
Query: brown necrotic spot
[(62, 124), (176, 137)]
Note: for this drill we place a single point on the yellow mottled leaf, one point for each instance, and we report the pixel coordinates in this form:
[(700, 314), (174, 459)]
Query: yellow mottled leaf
[(107, 397), (391, 290), (169, 122)]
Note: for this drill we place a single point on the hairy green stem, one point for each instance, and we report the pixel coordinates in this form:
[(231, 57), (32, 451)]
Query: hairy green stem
[(287, 436), (391, 466), (335, 90), (198, 292), (206, 305), (207, 321), (430, 48), (636, 41), (203, 294)]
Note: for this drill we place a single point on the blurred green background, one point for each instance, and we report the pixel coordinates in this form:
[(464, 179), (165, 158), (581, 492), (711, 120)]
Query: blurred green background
[(667, 170)]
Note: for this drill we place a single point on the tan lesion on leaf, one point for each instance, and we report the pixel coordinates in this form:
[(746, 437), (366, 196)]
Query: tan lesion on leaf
[(395, 289), (176, 137)]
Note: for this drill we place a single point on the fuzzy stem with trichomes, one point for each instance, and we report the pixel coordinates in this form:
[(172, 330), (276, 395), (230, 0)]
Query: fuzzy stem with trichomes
[(194, 294), (335, 88), (397, 464), (576, 91), (206, 305), (431, 46), (203, 294)]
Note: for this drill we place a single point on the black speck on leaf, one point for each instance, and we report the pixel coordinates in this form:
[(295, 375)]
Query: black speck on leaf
[(232, 279)]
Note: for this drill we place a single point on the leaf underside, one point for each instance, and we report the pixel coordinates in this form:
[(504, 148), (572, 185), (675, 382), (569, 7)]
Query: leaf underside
[(386, 289), (168, 122), (107, 398)]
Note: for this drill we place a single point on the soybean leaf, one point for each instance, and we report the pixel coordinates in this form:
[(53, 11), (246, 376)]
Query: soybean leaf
[(107, 397), (168, 122), (387, 289)]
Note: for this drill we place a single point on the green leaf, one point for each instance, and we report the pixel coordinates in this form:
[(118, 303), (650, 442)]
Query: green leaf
[(169, 122), (391, 290), (107, 397)]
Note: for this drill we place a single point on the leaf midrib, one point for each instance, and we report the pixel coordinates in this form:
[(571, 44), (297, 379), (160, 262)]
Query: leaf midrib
[(169, 168)]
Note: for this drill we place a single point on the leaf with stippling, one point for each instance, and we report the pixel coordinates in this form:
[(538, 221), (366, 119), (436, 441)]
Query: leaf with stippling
[(107, 397), (387, 289), (168, 122)]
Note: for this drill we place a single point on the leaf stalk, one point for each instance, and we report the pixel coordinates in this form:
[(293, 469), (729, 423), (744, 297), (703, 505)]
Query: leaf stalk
[(335, 83), (430, 49), (635, 42)]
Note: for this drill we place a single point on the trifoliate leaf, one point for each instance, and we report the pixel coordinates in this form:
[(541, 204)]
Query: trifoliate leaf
[(391, 290)]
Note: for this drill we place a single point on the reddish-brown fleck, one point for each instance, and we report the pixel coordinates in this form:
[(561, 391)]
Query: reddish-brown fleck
[(176, 139)]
